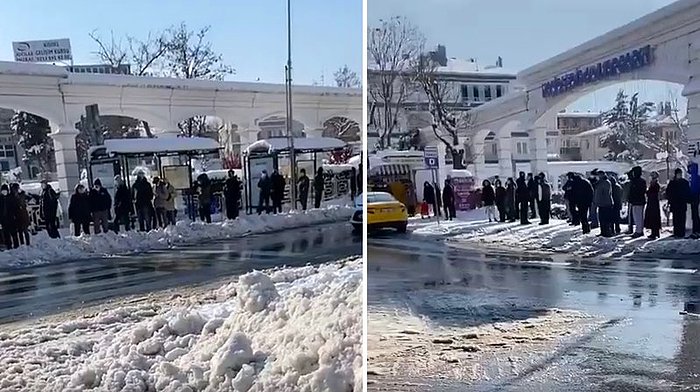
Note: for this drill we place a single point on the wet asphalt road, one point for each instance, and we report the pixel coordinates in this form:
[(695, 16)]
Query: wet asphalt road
[(43, 290), (645, 343)]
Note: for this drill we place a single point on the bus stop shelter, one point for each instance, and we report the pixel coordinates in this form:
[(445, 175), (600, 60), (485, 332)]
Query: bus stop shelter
[(274, 154), (171, 156)]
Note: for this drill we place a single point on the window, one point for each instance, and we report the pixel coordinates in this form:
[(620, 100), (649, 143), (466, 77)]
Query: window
[(477, 96), (588, 145), (7, 151), (549, 141), (499, 90), (494, 149), (4, 166), (487, 93), (521, 148), (465, 92)]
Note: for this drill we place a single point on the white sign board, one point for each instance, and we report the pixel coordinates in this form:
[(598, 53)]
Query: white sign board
[(45, 51), (178, 176)]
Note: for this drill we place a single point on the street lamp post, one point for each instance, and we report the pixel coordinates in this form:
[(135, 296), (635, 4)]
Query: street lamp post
[(290, 117)]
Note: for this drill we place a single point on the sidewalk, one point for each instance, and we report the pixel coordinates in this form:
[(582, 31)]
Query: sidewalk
[(556, 237), (45, 250)]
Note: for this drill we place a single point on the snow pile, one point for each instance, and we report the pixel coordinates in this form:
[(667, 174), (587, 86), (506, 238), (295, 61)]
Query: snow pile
[(45, 250), (558, 237), (303, 333)]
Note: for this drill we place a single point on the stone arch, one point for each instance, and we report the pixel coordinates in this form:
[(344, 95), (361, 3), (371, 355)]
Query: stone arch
[(275, 125), (13, 154)]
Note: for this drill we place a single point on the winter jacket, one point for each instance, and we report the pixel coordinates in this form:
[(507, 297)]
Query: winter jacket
[(532, 188), (204, 194), (123, 206), (568, 187), (79, 208), (23, 221), (522, 192), (652, 213), (678, 194), (510, 196), (448, 196), (544, 191), (694, 179), (303, 186), (265, 186), (143, 193), (319, 182), (602, 195), (501, 195), (626, 191), (100, 200), (488, 196), (48, 205), (278, 184), (616, 193), (165, 197), (582, 192), (9, 212), (428, 194), (232, 189), (638, 190)]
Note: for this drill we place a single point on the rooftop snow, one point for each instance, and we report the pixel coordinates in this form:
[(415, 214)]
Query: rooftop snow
[(160, 145), (595, 131), (282, 144), (460, 66), (579, 114)]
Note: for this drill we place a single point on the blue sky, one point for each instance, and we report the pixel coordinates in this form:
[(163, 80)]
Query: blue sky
[(251, 34), (524, 32)]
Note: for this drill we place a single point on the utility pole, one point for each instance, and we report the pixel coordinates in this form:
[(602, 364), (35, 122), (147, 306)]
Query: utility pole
[(290, 116)]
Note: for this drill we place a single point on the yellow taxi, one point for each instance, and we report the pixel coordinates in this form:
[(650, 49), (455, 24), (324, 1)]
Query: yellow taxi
[(384, 211)]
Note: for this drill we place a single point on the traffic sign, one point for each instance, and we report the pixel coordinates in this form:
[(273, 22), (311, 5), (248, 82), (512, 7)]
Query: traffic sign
[(431, 163), (430, 157)]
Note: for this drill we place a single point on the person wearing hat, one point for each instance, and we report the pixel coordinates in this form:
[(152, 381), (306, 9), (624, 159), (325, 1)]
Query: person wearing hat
[(652, 213), (678, 196), (100, 206), (23, 221)]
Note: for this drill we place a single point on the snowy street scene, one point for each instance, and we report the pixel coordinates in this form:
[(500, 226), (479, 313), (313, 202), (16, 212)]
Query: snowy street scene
[(533, 192), (180, 197)]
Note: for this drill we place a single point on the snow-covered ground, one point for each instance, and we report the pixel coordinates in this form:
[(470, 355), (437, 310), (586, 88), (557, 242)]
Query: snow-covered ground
[(291, 329), (558, 237), (45, 250)]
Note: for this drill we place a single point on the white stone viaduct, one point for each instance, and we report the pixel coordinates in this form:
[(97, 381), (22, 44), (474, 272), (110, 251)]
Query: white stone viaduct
[(59, 96)]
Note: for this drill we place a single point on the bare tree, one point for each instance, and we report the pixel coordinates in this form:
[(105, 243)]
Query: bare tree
[(391, 49), (190, 55), (448, 118), (344, 77), (342, 128), (675, 145)]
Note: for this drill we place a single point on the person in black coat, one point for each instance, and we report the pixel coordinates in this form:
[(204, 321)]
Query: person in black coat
[(568, 196), (448, 200), (303, 184), (488, 199), (232, 194), (79, 211), (429, 197), (532, 188), (637, 198), (123, 205), (319, 186), (9, 217), (501, 195), (522, 198), (277, 195), (544, 198), (265, 189), (143, 197), (652, 213), (678, 195), (101, 207), (582, 197), (511, 206), (48, 209)]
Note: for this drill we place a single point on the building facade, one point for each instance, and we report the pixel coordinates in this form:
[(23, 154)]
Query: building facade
[(467, 85)]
